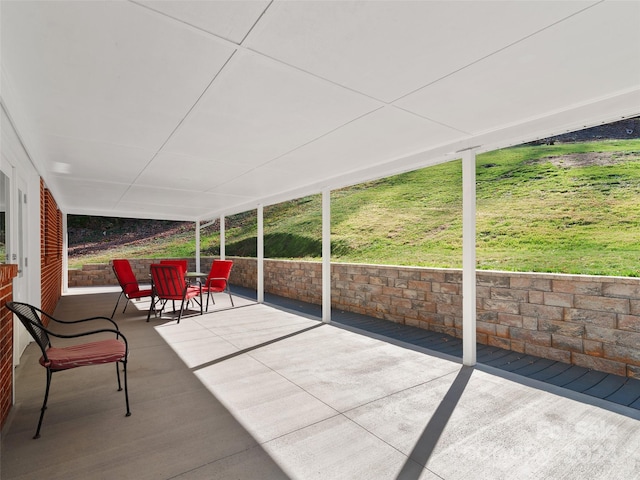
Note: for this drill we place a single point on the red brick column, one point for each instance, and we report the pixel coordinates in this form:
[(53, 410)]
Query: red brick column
[(7, 272)]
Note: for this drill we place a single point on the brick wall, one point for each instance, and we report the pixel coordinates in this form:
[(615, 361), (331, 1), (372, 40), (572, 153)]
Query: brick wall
[(50, 250), (7, 273), (589, 321)]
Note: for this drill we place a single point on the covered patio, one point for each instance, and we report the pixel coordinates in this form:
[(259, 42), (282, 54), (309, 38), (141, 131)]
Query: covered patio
[(262, 392)]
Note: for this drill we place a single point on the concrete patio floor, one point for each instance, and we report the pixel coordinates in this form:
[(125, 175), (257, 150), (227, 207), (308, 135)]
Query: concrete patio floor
[(256, 392)]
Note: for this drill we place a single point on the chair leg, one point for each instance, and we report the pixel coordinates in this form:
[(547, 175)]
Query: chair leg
[(152, 308), (116, 307), (230, 297), (44, 403), (181, 310), (126, 389), (125, 306), (118, 374)]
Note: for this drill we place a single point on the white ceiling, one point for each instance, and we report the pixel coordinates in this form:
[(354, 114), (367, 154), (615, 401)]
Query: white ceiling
[(186, 110)]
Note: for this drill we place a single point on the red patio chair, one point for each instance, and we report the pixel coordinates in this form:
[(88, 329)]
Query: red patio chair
[(56, 359), (183, 264), (128, 283), (169, 284), (218, 280)]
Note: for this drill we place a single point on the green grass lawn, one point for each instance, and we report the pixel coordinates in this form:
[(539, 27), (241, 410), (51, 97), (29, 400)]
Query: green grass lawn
[(564, 208)]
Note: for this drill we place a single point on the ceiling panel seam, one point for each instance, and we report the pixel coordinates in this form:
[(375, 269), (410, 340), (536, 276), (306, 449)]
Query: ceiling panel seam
[(218, 38), (297, 148), (256, 22), (423, 117), (177, 126), (501, 49), (252, 51)]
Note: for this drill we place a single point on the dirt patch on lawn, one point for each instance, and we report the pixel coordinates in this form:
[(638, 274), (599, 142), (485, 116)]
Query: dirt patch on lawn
[(600, 159)]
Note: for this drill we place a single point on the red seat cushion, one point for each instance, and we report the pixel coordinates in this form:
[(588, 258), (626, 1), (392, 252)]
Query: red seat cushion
[(191, 292), (104, 351), (141, 293)]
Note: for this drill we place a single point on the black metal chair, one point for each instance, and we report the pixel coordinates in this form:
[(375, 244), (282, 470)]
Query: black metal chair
[(56, 359)]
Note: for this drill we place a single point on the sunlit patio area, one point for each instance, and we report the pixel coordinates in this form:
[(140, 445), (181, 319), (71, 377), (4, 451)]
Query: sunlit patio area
[(260, 392)]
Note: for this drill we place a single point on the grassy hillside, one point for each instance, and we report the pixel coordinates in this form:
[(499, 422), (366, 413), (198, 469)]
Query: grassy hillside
[(568, 208)]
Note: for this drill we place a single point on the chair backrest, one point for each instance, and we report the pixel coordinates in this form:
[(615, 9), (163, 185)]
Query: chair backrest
[(219, 269), (181, 263), (31, 318), (168, 280), (126, 278)]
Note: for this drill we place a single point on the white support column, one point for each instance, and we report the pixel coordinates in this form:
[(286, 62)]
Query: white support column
[(469, 258), (65, 254), (326, 256), (222, 239), (197, 245), (260, 255)]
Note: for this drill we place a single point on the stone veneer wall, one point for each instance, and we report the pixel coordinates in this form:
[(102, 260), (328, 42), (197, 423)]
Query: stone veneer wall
[(590, 321)]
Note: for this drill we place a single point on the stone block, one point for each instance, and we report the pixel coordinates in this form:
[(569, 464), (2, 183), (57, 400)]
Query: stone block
[(493, 280), (563, 342), (453, 277), (509, 294), (633, 371), (419, 285), (530, 336), (523, 282), (392, 291), (624, 290), (432, 276), (483, 316), (577, 287), (501, 306), (541, 311), (635, 307), (400, 302), (613, 337), (511, 320), (592, 347), (424, 306), (629, 322), (536, 297), (483, 292), (591, 317), (548, 352), (561, 328), (373, 289), (429, 318), (530, 323), (558, 299), (412, 294), (603, 304), (450, 288), (441, 298), (484, 327), (449, 309), (517, 346), (599, 364), (620, 353), (503, 331), (499, 342)]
